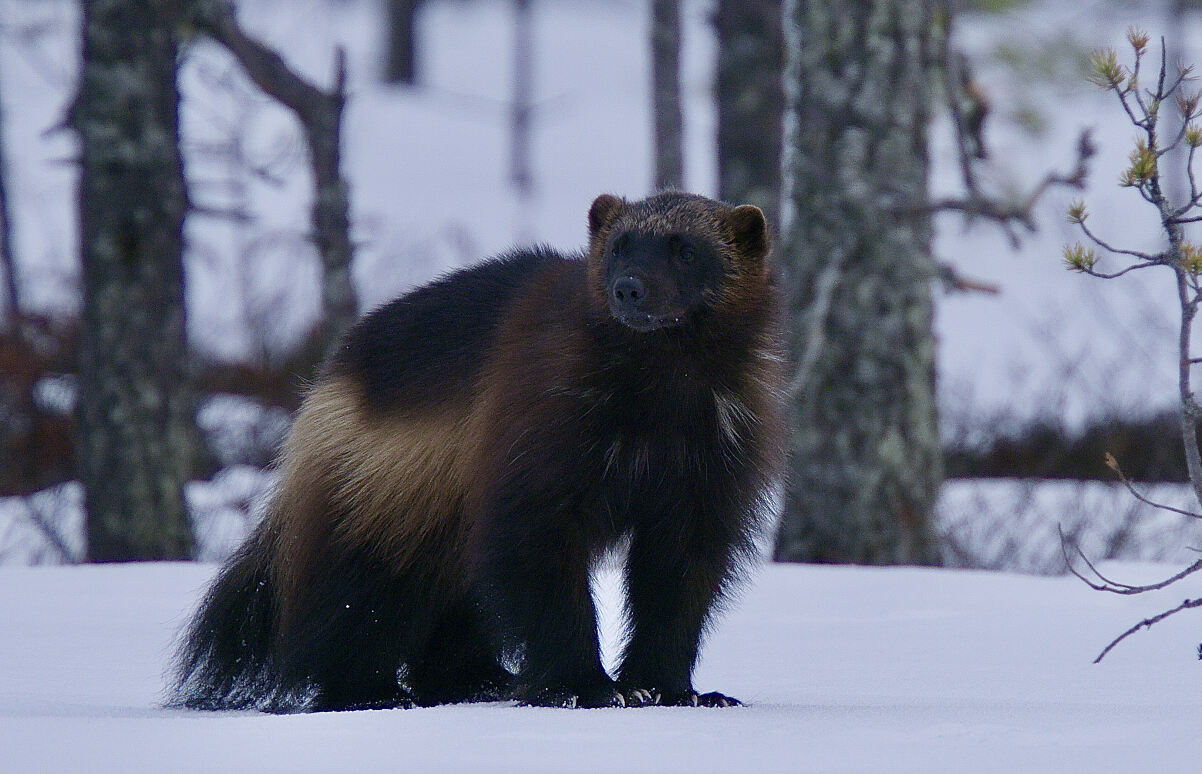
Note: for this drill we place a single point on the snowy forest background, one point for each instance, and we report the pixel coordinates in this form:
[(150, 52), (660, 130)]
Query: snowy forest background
[(1039, 371), (1035, 382)]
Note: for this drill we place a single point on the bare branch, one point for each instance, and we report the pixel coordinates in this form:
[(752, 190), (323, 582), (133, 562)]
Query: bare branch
[(1147, 624), (38, 519), (1160, 92), (954, 281), (1143, 107), (222, 213), (1127, 107), (1112, 275), (1160, 153), (1194, 193), (1022, 211), (1113, 464), (955, 78), (1151, 260), (970, 146), (264, 66), (1116, 587)]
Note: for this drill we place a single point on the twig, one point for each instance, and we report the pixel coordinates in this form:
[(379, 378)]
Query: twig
[(1115, 587), (49, 531), (970, 146), (954, 80), (954, 281), (1022, 211), (1112, 275), (223, 213), (1113, 464), (1149, 258), (1147, 624)]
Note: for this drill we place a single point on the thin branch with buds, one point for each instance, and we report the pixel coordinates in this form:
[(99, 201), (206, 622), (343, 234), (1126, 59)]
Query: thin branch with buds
[(1113, 464), (1143, 107)]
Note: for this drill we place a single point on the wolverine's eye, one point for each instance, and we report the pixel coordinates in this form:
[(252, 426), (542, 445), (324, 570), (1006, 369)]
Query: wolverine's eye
[(620, 244), (683, 250)]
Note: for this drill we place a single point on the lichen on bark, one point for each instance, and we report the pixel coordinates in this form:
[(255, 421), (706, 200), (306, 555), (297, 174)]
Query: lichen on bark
[(136, 434), (865, 464)]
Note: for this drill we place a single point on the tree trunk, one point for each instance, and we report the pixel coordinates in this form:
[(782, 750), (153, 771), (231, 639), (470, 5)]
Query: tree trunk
[(332, 212), (8, 258), (665, 90), (865, 464), (400, 65), (751, 104), (521, 118), (136, 431)]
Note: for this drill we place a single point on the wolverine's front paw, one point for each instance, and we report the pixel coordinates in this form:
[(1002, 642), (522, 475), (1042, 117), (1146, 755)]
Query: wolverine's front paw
[(693, 699), (573, 697), (638, 697)]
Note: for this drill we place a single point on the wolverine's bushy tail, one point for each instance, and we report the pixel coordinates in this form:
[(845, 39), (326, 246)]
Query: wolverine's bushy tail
[(225, 659)]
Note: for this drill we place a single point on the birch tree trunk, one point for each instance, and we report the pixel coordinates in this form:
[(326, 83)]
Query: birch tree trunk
[(751, 103), (665, 89), (865, 465), (136, 435)]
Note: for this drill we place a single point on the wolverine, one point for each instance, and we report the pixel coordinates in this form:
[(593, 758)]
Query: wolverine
[(472, 449)]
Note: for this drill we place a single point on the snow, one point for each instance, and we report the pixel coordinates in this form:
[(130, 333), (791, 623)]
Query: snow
[(844, 669)]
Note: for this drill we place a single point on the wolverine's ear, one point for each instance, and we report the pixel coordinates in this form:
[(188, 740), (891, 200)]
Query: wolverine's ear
[(605, 209), (751, 230)]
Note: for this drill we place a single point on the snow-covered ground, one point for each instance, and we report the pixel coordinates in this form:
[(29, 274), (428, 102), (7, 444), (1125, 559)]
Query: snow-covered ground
[(844, 670)]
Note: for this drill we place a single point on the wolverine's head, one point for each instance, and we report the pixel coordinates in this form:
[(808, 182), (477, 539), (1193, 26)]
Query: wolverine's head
[(659, 261)]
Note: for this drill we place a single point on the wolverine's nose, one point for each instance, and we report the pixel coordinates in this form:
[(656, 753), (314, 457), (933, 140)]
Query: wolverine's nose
[(628, 293)]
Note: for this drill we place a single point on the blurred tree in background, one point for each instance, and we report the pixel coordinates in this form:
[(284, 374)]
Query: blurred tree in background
[(400, 55), (751, 103), (855, 241), (666, 113), (135, 412), (865, 464)]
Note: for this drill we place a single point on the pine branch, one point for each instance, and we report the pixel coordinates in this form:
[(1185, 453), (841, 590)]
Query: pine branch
[(1181, 257)]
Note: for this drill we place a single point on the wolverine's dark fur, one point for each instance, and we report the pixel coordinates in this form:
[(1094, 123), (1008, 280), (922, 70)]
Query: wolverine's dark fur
[(473, 448)]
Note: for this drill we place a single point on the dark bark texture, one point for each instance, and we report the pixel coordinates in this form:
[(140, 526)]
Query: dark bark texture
[(136, 431), (865, 464), (400, 63), (667, 112), (8, 258), (751, 103)]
